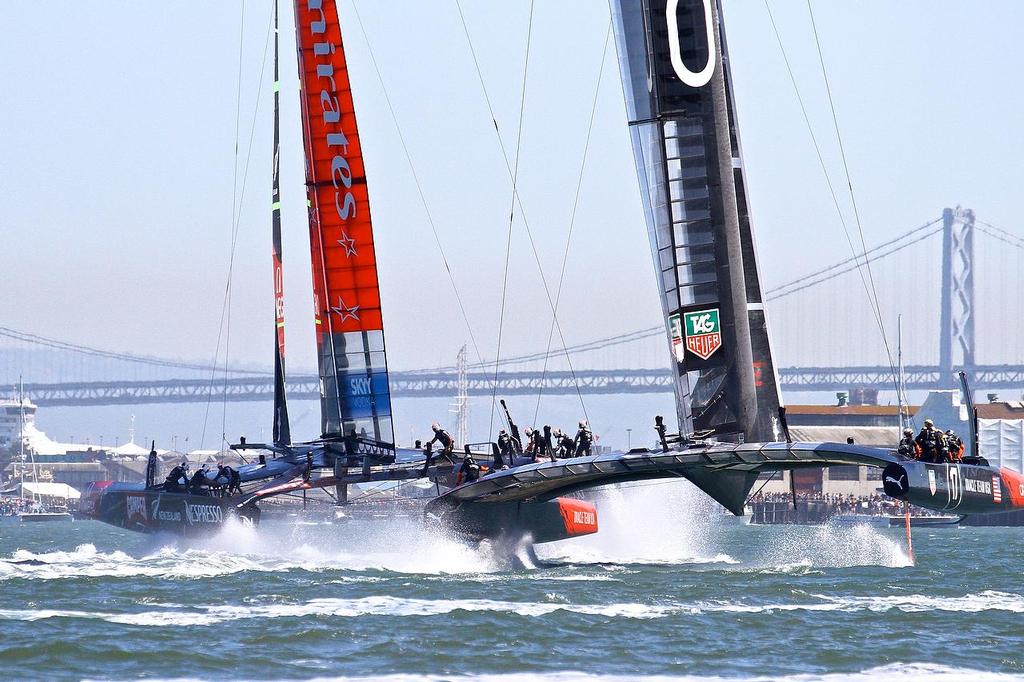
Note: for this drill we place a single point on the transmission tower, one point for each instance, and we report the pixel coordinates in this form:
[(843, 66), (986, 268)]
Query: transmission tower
[(956, 333), (460, 408)]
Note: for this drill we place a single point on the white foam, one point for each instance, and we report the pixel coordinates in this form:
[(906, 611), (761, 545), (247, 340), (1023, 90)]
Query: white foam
[(172, 615), (906, 672), (668, 522), (795, 549), (348, 608), (388, 546)]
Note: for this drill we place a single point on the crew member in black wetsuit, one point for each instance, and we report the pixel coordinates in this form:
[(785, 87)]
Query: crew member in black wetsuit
[(198, 482), (930, 442), (505, 450), (955, 445), (173, 482), (540, 445), (584, 439), (443, 437), (447, 445), (470, 469), (566, 446), (907, 446), (530, 446)]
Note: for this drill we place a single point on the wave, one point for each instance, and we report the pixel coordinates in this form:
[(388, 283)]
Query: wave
[(172, 615), (908, 672), (393, 547)]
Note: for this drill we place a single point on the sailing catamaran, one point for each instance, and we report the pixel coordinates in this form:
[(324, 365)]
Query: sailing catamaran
[(682, 122)]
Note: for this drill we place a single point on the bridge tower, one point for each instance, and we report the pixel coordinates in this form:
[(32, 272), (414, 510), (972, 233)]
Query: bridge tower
[(956, 332)]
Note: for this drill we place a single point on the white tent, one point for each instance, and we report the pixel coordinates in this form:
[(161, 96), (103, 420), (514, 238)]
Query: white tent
[(131, 450), (60, 490), (1001, 442)]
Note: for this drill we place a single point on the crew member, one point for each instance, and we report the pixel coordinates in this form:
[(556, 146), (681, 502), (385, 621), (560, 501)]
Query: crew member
[(955, 445), (566, 445), (198, 481), (470, 469), (584, 439), (531, 444), (505, 450), (443, 437), (177, 478), (907, 447), (540, 445), (930, 441), (223, 479)]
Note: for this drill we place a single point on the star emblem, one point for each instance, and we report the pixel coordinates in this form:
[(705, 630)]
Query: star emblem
[(348, 244), (345, 311)]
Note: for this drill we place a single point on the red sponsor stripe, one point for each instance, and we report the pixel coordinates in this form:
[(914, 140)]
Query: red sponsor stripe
[(345, 273), (580, 517)]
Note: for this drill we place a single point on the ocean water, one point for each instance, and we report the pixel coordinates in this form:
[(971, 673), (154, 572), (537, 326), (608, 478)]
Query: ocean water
[(669, 590)]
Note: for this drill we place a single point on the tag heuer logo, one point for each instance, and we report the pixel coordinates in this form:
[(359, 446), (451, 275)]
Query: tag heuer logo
[(703, 332)]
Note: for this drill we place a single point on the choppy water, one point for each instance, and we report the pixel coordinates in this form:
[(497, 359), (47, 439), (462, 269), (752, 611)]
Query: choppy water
[(664, 592)]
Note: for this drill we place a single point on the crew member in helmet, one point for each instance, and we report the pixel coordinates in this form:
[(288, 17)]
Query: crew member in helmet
[(565, 446), (447, 445), (540, 445), (955, 445), (531, 446), (505, 450), (584, 439), (907, 447), (443, 437), (930, 441), (177, 479)]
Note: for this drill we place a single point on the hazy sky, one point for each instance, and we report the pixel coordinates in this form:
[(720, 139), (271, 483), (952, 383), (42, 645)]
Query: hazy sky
[(117, 134)]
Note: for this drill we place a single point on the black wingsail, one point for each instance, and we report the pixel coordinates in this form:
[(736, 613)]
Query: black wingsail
[(675, 74), (282, 431)]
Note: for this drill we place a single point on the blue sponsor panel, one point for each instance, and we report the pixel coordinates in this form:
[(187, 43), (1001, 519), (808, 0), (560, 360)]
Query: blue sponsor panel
[(363, 394)]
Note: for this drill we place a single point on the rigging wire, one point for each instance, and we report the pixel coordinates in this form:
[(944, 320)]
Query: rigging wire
[(572, 217), (779, 290), (519, 204), (238, 198), (821, 158), (226, 304), (419, 186), (867, 282), (511, 216), (801, 286), (853, 196)]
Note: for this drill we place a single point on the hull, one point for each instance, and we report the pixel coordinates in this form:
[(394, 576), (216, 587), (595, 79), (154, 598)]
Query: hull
[(954, 488), (45, 516), (557, 519), (152, 511)]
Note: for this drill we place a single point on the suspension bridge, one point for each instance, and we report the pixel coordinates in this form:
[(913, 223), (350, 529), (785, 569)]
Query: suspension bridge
[(825, 337)]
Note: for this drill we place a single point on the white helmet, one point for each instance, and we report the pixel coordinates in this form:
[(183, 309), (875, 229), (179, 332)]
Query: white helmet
[(435, 426), (583, 423)]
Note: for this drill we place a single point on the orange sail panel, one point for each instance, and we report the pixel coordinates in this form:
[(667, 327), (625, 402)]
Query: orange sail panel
[(355, 397)]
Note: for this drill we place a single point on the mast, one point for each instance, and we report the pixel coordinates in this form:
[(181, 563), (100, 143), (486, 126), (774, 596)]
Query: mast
[(282, 430), (675, 72), (900, 383), (21, 433), (355, 397)]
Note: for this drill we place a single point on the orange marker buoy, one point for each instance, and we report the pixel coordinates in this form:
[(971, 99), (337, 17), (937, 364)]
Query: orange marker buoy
[(910, 542)]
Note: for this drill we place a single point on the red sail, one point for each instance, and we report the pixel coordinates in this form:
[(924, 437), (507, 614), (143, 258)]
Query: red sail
[(350, 338)]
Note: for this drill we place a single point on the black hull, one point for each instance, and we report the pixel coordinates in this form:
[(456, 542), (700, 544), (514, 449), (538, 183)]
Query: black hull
[(153, 511), (538, 522), (953, 488)]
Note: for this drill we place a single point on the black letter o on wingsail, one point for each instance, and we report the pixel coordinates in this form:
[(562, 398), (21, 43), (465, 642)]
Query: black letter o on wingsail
[(695, 79)]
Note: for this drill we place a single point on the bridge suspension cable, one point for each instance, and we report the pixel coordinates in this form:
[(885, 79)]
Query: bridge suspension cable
[(57, 344), (857, 261)]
